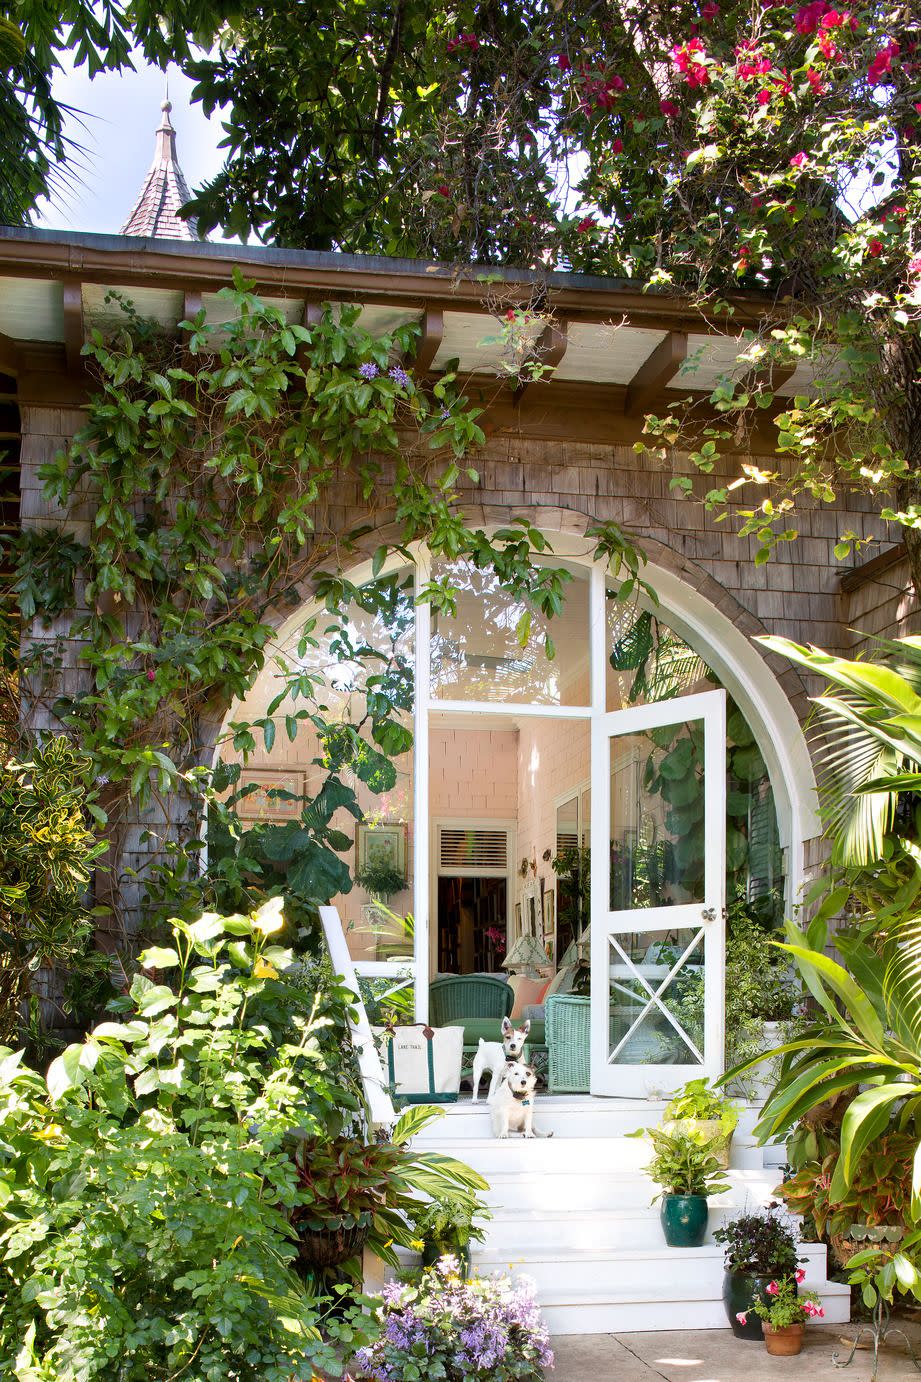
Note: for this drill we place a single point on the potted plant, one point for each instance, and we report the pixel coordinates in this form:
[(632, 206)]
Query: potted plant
[(380, 880), (488, 1329), (759, 1248), (687, 1173), (784, 1309), (705, 1115), (448, 1225), (342, 1184)]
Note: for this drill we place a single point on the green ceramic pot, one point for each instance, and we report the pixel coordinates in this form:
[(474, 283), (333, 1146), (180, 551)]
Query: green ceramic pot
[(684, 1220), (739, 1292)]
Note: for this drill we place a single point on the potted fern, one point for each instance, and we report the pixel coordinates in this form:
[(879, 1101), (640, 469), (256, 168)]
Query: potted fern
[(447, 1225)]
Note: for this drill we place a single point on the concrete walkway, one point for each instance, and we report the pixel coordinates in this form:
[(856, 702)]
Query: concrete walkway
[(715, 1355)]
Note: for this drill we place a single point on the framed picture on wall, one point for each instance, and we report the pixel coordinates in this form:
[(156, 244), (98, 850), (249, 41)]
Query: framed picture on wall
[(381, 846), (550, 925), (531, 910), (275, 795)]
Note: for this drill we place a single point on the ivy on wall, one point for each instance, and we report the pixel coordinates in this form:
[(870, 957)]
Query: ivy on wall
[(216, 467)]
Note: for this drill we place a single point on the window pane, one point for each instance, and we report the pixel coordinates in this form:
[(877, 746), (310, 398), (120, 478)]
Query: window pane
[(371, 653), (656, 997), (476, 654), (657, 817)]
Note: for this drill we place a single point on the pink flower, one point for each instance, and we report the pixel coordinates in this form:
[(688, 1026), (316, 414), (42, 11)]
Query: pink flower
[(772, 1288), (587, 223), (617, 146), (742, 1316), (830, 49), (757, 201), (839, 19), (814, 79), (463, 41), (799, 1275), (562, 62), (764, 97), (710, 10), (807, 19), (798, 160), (668, 109), (875, 249), (151, 674), (882, 63), (444, 190), (914, 265)]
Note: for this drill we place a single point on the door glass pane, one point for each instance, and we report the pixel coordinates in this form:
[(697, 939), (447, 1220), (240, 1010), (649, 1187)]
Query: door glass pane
[(476, 654), (657, 817), (656, 988)]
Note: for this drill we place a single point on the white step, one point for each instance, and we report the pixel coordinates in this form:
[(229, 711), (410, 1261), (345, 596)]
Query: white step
[(537, 1189), (573, 1213), (515, 1233), (642, 1270)]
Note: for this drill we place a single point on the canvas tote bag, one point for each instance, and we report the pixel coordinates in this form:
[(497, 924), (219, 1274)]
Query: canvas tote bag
[(424, 1063)]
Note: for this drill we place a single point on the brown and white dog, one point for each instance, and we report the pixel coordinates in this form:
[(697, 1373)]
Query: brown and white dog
[(495, 1055), (511, 1104)]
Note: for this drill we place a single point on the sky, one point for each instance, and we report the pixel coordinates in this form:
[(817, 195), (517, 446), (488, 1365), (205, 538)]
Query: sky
[(114, 122)]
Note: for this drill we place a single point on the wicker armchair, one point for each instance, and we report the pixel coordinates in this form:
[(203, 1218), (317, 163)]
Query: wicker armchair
[(455, 998)]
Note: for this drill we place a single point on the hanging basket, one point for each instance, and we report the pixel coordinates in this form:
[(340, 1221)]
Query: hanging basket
[(330, 1247)]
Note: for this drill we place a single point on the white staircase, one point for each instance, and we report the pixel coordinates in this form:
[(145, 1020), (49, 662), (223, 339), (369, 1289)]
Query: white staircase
[(573, 1213)]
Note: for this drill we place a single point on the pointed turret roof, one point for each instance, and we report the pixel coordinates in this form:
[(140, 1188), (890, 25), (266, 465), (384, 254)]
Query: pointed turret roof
[(164, 191)]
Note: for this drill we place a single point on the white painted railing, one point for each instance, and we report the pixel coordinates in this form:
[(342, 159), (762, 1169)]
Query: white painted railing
[(374, 1082)]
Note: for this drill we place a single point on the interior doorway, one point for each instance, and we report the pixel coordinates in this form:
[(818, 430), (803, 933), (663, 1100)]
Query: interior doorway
[(472, 925)]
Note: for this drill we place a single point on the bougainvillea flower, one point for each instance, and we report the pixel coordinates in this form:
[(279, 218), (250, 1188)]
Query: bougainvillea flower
[(882, 63), (617, 146), (798, 160), (830, 49), (710, 10), (562, 62), (875, 249), (668, 108), (808, 18), (587, 223), (444, 190), (914, 265)]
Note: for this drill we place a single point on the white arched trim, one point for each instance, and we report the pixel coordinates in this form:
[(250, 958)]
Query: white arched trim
[(730, 653)]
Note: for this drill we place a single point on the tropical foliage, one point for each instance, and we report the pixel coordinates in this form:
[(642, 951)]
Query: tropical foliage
[(152, 1190), (47, 850)]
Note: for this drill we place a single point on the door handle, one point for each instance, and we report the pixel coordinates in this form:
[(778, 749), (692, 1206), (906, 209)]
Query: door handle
[(709, 914)]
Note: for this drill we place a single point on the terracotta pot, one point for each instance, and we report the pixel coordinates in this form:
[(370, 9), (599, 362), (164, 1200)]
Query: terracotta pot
[(783, 1343)]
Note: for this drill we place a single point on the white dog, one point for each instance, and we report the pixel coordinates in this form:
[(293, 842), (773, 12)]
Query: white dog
[(494, 1055), (512, 1103)]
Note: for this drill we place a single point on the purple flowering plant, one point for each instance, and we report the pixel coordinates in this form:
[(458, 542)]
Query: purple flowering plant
[(463, 1331)]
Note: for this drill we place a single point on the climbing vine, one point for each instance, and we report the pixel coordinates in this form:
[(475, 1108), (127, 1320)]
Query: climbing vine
[(222, 471)]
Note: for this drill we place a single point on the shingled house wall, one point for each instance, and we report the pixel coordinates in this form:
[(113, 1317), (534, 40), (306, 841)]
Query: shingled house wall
[(564, 486)]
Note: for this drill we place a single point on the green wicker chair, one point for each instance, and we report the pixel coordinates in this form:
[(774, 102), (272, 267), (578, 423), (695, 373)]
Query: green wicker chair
[(476, 1002), (568, 1034)]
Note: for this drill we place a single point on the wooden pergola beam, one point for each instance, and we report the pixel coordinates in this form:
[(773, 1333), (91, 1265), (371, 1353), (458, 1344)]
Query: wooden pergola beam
[(9, 356), (548, 351), (656, 372), (421, 359), (74, 332)]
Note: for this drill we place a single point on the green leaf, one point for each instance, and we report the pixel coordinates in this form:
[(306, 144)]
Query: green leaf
[(66, 1072), (158, 957)]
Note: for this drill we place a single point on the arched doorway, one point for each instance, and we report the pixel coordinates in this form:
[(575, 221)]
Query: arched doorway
[(517, 756)]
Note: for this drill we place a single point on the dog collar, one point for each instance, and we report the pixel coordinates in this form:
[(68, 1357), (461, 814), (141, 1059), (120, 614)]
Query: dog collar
[(521, 1099)]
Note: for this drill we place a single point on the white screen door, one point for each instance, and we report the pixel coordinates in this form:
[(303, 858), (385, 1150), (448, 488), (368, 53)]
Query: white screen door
[(658, 866)]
